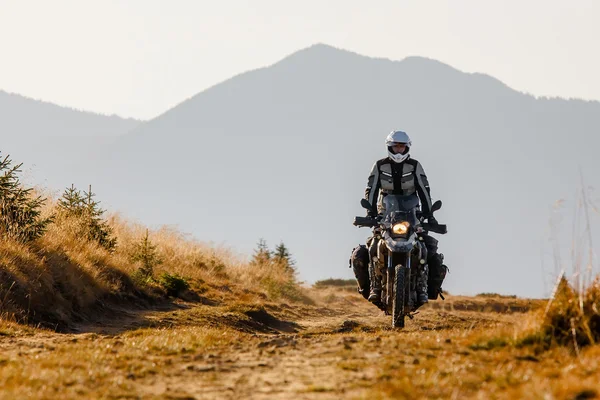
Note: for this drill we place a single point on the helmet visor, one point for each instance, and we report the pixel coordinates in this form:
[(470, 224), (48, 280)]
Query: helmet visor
[(398, 148)]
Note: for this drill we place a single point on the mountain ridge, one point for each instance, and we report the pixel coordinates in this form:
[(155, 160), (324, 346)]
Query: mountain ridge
[(44, 103), (283, 152), (49, 138), (291, 145), (291, 56)]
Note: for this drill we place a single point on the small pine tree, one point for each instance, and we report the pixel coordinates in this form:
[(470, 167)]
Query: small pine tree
[(74, 204), (282, 256), (20, 211), (145, 253), (262, 254), (71, 202), (99, 230)]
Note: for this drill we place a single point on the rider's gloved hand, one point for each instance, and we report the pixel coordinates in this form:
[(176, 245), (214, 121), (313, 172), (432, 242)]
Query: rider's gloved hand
[(431, 219)]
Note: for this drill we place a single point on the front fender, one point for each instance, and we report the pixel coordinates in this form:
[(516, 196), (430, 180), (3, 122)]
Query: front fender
[(400, 245)]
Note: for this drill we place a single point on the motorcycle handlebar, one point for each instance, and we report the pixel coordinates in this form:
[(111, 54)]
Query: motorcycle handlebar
[(436, 228), (365, 221), (372, 222)]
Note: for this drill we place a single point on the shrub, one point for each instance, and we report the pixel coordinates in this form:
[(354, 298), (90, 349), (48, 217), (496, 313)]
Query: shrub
[(571, 318), (283, 257), (173, 284), (262, 254), (20, 210), (277, 272), (335, 282), (287, 289), (145, 254), (86, 210), (502, 296)]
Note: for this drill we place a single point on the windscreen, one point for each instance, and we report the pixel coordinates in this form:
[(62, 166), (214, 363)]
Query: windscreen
[(398, 207)]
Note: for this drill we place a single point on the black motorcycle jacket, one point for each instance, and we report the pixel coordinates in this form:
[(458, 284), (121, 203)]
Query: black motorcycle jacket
[(405, 178)]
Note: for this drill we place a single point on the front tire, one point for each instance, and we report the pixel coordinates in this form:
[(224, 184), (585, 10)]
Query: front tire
[(399, 296)]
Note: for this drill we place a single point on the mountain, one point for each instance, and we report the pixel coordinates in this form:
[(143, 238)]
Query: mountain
[(49, 139), (283, 153)]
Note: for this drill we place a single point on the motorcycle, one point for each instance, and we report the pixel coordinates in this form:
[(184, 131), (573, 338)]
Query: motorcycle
[(399, 229)]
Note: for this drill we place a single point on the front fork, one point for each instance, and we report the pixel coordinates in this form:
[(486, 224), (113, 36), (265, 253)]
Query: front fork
[(394, 259)]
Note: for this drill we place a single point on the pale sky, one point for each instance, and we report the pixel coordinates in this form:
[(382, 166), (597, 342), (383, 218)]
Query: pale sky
[(137, 58)]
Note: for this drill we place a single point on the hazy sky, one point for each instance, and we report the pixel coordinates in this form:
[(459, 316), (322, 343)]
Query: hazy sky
[(139, 58)]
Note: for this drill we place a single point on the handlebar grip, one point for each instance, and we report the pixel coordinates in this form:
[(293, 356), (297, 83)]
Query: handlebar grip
[(365, 221), (436, 228)]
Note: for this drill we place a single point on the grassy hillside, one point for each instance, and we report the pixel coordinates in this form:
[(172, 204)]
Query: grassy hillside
[(64, 261), (61, 278)]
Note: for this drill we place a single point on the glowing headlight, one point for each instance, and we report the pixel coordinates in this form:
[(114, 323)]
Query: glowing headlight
[(401, 228)]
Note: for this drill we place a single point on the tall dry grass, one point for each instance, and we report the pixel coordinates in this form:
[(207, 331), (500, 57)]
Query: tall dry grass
[(571, 318), (63, 277), (572, 314)]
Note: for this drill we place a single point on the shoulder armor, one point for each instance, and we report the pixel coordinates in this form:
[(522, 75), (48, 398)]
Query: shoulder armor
[(412, 162), (383, 161)]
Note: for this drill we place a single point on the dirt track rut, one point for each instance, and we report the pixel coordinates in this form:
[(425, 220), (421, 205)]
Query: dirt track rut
[(341, 350)]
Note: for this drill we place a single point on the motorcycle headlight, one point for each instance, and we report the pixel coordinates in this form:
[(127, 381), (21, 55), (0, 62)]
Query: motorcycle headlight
[(401, 228)]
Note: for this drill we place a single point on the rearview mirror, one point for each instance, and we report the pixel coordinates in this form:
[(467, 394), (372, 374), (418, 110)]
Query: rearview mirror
[(436, 206), (365, 204)]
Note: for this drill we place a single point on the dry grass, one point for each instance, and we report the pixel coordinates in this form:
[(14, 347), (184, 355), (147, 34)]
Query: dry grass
[(335, 282), (452, 365), (205, 351), (62, 278), (503, 296), (498, 304), (570, 319), (544, 349), (96, 366)]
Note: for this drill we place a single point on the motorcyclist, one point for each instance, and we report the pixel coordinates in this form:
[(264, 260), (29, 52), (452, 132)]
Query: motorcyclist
[(398, 173)]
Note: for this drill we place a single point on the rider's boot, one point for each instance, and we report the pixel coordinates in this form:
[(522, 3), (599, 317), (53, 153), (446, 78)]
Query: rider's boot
[(422, 294), (375, 294), (359, 261)]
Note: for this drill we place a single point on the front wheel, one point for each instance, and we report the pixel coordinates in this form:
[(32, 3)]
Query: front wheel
[(399, 296)]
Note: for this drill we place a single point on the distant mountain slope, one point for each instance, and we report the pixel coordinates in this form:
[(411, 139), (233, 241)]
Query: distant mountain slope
[(46, 136), (284, 152)]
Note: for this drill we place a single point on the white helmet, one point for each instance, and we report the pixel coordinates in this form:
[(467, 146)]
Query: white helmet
[(394, 138)]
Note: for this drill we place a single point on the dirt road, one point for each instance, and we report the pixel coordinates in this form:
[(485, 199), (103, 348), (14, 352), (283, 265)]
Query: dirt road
[(331, 355), (341, 349)]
